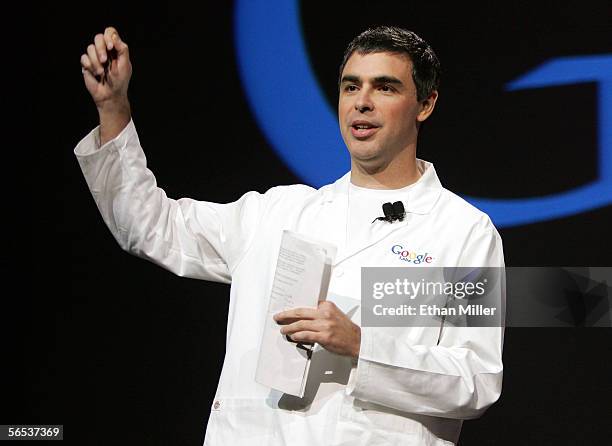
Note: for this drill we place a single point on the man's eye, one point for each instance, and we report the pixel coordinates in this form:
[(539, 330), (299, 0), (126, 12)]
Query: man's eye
[(386, 88), (350, 88)]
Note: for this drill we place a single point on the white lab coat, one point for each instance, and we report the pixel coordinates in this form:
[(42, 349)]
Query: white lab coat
[(404, 389)]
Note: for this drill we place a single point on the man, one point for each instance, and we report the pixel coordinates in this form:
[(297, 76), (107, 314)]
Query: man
[(396, 385)]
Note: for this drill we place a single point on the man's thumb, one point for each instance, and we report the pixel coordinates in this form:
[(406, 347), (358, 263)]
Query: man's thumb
[(119, 44)]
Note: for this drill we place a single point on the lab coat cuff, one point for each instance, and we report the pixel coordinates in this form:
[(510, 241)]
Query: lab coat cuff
[(89, 147), (359, 377)]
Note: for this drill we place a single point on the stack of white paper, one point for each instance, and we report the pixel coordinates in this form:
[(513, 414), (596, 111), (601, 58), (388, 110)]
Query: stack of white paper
[(301, 280)]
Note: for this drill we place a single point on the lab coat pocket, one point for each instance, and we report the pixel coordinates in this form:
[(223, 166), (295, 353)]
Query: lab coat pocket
[(248, 420)]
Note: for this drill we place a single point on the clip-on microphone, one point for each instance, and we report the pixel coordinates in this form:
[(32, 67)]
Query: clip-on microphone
[(392, 212)]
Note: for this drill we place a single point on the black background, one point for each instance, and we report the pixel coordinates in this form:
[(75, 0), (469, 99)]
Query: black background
[(122, 352)]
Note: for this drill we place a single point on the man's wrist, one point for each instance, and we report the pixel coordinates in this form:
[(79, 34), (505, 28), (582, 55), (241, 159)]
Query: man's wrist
[(114, 117), (357, 347)]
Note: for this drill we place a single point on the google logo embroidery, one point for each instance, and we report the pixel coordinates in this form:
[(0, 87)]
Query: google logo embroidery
[(411, 256)]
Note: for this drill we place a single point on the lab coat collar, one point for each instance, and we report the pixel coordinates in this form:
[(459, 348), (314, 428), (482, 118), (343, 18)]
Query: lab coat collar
[(420, 197)]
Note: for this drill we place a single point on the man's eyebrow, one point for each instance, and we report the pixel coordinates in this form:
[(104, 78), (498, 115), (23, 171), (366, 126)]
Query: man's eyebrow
[(377, 80), (350, 78), (387, 80)]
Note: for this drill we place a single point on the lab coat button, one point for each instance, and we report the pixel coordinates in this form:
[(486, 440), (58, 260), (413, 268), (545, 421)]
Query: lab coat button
[(217, 405)]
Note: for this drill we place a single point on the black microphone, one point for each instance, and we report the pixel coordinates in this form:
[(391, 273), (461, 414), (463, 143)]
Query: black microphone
[(398, 210), (392, 212), (388, 210)]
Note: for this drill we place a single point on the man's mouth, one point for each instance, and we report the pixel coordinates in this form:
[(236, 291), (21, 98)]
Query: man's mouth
[(363, 129)]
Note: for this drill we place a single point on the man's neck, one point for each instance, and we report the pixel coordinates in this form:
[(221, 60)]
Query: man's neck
[(401, 172)]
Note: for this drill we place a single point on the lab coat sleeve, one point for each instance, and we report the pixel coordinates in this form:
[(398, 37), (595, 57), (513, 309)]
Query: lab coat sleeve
[(458, 378), (190, 238)]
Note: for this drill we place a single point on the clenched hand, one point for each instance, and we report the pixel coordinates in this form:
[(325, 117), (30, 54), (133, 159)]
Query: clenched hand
[(110, 85)]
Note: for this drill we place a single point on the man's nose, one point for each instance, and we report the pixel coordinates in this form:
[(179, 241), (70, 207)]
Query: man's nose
[(363, 102)]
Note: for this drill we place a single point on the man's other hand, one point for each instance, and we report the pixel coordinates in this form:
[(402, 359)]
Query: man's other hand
[(325, 325)]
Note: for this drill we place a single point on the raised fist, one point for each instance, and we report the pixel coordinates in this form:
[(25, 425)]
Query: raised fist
[(106, 68)]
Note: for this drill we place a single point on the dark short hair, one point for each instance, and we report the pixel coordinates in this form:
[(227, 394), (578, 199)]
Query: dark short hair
[(392, 39)]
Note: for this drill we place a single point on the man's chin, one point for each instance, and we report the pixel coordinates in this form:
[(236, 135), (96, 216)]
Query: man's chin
[(371, 162), (365, 156)]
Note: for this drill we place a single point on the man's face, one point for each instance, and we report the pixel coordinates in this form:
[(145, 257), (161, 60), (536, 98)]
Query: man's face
[(378, 108)]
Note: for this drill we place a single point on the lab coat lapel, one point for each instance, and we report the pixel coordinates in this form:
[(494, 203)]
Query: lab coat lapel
[(332, 218)]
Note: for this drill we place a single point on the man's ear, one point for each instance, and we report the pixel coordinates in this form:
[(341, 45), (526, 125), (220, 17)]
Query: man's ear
[(427, 106)]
